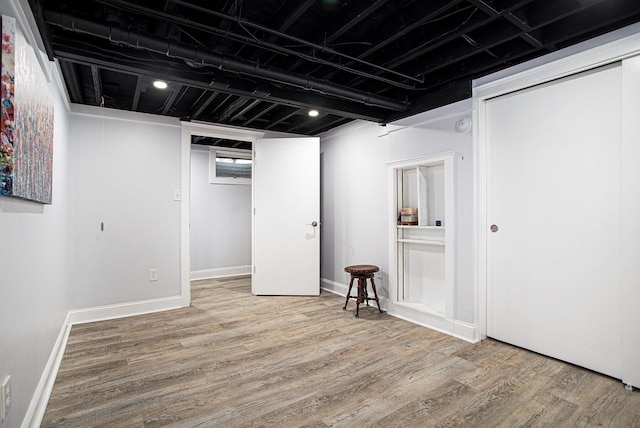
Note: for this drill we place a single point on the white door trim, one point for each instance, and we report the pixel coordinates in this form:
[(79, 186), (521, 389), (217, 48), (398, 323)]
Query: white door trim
[(190, 129)]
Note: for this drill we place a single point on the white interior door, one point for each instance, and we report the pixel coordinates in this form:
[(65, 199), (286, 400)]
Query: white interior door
[(286, 221), (553, 274)]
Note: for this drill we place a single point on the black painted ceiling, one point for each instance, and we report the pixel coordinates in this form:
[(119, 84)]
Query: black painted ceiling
[(264, 63)]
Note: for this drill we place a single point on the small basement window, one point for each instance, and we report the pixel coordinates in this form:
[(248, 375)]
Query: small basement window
[(229, 166)]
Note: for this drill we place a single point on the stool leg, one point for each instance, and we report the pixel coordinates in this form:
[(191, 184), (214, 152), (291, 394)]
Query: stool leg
[(348, 294), (366, 292), (375, 293), (362, 287)]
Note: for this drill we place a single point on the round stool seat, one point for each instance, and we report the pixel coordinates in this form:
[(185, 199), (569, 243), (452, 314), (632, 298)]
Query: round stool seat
[(361, 269)]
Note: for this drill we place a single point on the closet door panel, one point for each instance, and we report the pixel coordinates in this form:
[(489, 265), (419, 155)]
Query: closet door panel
[(554, 196)]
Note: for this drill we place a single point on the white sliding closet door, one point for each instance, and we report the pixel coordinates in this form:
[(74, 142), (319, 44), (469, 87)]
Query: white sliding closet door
[(553, 187)]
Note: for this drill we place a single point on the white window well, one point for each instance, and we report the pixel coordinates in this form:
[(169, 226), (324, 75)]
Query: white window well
[(229, 166)]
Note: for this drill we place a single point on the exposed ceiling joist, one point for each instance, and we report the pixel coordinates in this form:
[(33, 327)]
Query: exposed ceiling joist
[(265, 63), (138, 40)]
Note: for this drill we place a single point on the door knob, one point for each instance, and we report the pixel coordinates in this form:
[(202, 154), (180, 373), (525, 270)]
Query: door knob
[(494, 228), (313, 223)]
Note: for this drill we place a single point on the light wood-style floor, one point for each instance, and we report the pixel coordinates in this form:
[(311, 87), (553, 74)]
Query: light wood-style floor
[(234, 359)]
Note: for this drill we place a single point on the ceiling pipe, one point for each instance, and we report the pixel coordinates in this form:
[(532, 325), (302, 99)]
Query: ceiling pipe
[(276, 96), (138, 40), (322, 48), (262, 44)]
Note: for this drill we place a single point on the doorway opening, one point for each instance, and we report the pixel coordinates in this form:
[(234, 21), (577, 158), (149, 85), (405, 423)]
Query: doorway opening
[(220, 220), (216, 217)]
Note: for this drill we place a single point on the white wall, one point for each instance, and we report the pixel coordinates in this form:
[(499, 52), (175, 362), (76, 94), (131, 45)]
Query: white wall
[(54, 258), (124, 170), (220, 233), (354, 196), (34, 272)]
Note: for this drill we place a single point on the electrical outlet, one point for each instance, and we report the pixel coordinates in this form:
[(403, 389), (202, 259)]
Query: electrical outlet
[(5, 391), (153, 275), (378, 274)]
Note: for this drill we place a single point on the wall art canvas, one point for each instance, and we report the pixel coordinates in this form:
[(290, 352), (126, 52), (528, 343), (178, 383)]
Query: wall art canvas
[(6, 109), (26, 121)]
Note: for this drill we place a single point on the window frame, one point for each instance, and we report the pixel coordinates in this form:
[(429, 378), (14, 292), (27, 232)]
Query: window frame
[(215, 152)]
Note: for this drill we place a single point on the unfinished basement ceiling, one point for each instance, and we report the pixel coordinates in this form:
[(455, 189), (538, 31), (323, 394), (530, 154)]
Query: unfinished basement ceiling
[(264, 63)]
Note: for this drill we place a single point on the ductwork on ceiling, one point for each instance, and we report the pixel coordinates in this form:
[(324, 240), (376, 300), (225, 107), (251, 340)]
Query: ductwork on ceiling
[(189, 53), (265, 63)]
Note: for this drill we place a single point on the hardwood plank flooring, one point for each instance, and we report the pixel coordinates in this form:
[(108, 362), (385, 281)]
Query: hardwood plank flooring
[(237, 360)]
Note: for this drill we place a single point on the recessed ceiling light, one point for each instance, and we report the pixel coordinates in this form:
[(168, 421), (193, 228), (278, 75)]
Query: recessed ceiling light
[(313, 113), (160, 84)]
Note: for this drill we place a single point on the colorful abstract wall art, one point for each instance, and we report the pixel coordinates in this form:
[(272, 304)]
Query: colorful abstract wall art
[(26, 121), (6, 109)]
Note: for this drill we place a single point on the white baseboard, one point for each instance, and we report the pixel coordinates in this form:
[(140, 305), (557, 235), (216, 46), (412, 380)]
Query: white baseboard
[(220, 272), (455, 328), (38, 405), (466, 331), (341, 290), (459, 329), (333, 287), (121, 310)]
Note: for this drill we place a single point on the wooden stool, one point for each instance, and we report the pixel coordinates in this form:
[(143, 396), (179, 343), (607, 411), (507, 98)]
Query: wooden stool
[(362, 272)]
